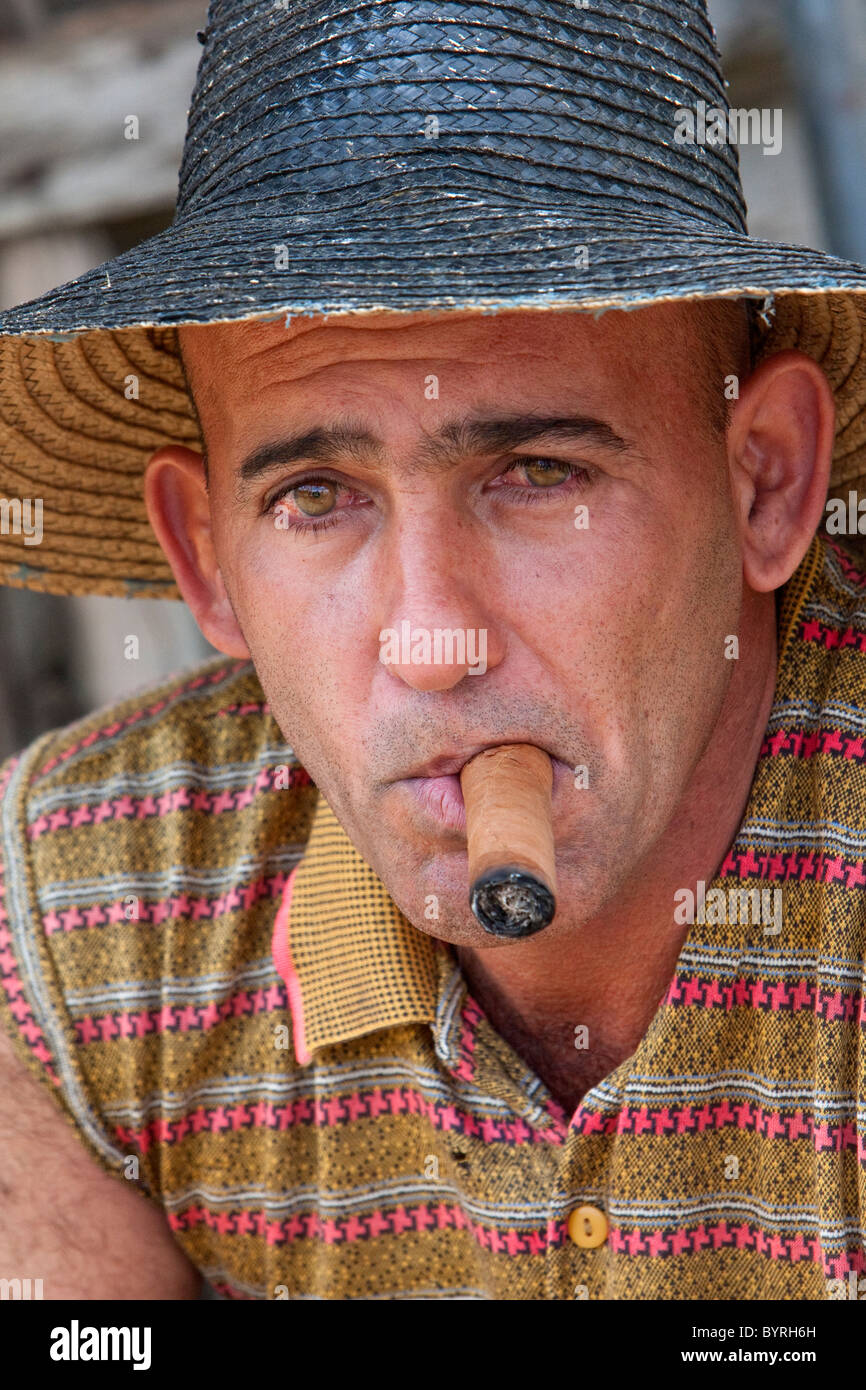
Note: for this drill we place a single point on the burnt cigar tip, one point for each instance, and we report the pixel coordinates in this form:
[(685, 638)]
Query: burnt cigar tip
[(511, 902)]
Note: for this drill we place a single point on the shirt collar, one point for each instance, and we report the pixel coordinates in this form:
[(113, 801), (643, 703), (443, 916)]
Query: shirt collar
[(352, 963)]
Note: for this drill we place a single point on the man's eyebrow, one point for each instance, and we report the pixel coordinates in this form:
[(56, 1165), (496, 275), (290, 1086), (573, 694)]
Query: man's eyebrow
[(488, 436), (457, 438), (322, 444)]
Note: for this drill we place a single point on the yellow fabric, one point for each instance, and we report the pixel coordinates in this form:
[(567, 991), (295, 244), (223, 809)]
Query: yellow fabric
[(361, 965)]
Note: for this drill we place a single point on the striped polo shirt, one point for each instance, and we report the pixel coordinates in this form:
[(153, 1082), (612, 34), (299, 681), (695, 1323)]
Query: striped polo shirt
[(225, 1002)]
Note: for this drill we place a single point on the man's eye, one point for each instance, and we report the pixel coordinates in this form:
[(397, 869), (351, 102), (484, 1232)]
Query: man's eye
[(311, 500), (314, 499), (545, 472), (542, 475)]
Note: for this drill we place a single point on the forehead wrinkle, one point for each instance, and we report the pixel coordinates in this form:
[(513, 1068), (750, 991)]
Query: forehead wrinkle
[(388, 325)]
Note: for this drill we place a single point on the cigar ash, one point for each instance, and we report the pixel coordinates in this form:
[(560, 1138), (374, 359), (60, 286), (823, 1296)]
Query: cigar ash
[(511, 902)]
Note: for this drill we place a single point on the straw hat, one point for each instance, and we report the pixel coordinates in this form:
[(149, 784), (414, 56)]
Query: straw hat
[(396, 155)]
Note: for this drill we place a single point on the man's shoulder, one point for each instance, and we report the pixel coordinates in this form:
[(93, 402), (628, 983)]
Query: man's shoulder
[(143, 854), (208, 725), (842, 569), (192, 768), (825, 648), (205, 710), (812, 806)]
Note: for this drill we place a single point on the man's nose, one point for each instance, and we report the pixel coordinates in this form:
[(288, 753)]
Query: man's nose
[(437, 628)]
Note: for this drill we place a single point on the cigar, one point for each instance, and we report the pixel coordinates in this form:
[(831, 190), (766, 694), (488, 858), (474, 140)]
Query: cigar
[(509, 828)]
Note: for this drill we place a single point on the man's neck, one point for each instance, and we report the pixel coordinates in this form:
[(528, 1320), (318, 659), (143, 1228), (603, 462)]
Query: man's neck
[(608, 975)]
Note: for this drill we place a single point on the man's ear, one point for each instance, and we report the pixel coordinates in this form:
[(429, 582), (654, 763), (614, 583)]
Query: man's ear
[(780, 448), (177, 504)]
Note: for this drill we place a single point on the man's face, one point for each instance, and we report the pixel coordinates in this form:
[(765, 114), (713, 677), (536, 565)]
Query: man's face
[(600, 566)]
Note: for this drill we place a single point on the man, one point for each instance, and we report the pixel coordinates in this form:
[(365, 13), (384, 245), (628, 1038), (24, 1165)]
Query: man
[(238, 943)]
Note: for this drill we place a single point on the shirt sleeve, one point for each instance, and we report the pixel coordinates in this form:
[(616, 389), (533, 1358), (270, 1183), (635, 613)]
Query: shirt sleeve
[(33, 1006)]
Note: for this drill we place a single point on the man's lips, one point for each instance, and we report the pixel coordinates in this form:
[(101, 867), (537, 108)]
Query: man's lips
[(441, 798), (452, 763), (436, 789)]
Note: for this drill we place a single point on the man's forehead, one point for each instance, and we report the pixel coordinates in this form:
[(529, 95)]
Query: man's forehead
[(391, 334), (256, 338), (239, 372), (227, 362)]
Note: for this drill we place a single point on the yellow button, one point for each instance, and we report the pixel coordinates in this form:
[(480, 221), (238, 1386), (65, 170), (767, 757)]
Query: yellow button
[(587, 1227)]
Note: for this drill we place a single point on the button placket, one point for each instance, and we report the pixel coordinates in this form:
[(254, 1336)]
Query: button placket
[(580, 1265)]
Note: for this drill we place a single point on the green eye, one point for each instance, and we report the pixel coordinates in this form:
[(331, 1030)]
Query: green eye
[(546, 472), (315, 499)]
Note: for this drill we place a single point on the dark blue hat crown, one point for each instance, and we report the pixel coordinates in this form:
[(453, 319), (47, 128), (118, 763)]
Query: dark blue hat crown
[(554, 105)]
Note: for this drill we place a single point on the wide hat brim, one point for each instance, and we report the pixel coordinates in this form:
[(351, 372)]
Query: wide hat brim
[(91, 382)]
